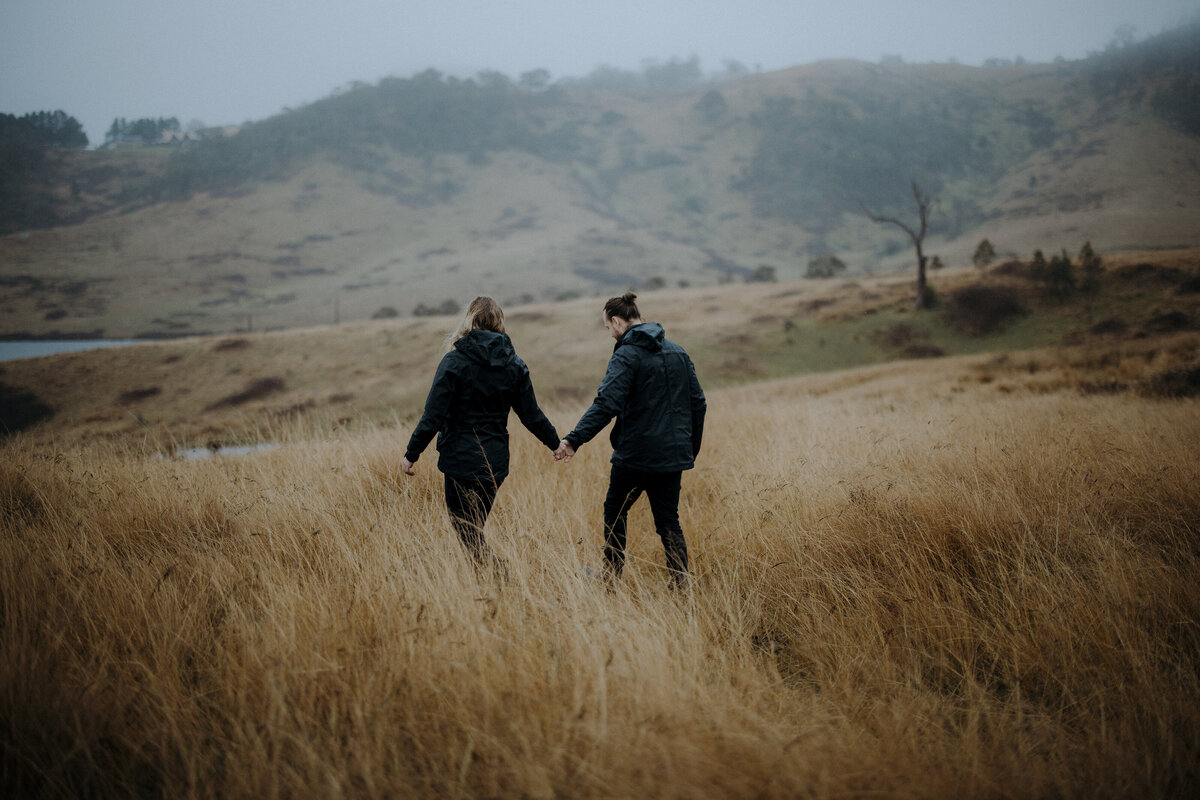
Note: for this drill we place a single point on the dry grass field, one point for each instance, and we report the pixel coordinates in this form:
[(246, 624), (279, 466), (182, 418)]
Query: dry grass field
[(972, 576)]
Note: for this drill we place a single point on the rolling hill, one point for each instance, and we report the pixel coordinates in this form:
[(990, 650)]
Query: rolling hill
[(404, 196)]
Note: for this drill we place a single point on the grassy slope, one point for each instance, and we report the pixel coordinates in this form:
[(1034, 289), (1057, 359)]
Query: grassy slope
[(947, 577), (336, 242), (177, 393)]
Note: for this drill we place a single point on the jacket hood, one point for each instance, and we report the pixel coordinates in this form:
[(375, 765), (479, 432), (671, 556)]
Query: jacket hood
[(646, 335), (486, 347)]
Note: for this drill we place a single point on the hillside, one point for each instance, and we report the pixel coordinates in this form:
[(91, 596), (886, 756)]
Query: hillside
[(419, 191), (1137, 332)]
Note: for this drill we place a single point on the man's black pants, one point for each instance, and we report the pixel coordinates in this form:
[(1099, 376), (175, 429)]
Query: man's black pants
[(625, 486)]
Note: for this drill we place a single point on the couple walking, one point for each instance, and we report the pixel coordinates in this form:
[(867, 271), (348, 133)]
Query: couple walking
[(650, 387)]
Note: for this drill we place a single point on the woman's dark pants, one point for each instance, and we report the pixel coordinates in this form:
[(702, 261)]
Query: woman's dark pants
[(662, 489), (469, 503)]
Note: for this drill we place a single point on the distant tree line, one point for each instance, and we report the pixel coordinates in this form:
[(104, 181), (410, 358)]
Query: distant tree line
[(44, 129), (1161, 72), (140, 131), (425, 115), (26, 171), (673, 75), (1058, 276)]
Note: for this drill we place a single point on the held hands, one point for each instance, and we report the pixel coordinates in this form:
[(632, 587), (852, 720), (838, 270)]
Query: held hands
[(564, 452), (408, 467)]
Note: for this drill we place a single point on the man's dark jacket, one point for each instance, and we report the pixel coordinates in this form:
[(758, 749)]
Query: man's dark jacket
[(476, 384), (652, 390)]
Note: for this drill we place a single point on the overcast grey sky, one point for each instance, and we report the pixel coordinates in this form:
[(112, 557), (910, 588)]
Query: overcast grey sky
[(229, 61)]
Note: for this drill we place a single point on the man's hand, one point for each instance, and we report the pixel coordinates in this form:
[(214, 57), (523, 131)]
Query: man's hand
[(408, 467), (564, 452)]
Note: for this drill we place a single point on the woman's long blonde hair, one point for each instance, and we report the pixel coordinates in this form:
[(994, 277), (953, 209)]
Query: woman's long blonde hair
[(483, 313)]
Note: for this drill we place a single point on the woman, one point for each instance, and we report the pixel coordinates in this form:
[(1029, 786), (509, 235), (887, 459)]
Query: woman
[(479, 379)]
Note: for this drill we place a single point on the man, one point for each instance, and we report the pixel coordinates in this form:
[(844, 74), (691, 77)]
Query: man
[(652, 390)]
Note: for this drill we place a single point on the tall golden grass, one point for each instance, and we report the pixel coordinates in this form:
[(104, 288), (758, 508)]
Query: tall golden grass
[(900, 588)]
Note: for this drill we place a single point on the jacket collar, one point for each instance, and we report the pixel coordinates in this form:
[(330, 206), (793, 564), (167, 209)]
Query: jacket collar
[(486, 347), (646, 335)]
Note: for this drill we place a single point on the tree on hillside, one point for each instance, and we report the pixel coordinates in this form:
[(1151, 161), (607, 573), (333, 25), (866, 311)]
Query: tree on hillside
[(1092, 267), (924, 202), (55, 129), (712, 106), (27, 175), (44, 129), (1038, 267), (534, 80), (764, 274), (824, 266), (985, 254), (1059, 277), (673, 75)]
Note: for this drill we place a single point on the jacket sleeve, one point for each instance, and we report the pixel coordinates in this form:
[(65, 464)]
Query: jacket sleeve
[(699, 407), (437, 405), (610, 399), (531, 414)]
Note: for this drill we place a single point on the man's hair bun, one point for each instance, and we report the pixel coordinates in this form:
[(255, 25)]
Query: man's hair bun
[(623, 307)]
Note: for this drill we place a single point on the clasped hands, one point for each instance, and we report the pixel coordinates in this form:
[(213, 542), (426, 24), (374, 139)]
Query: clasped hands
[(564, 452)]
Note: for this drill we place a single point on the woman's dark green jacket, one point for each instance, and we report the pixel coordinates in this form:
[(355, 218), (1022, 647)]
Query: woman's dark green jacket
[(476, 384)]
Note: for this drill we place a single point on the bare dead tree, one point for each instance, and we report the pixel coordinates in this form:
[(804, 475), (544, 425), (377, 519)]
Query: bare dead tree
[(924, 201)]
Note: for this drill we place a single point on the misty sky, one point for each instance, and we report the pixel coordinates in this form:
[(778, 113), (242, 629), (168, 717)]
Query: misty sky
[(229, 61)]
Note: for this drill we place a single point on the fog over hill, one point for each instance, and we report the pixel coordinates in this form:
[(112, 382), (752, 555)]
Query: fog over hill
[(413, 194)]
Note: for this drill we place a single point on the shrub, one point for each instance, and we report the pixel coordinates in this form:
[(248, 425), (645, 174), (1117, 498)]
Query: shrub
[(1011, 269), (824, 266), (255, 390), (932, 298), (1143, 272), (923, 351), (981, 309), (1111, 325), (896, 336), (1174, 383), (764, 274), (137, 395), (1169, 322), (20, 409), (712, 106), (445, 307)]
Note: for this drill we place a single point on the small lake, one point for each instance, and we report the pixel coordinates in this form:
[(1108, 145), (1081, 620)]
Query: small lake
[(11, 351), (200, 453)]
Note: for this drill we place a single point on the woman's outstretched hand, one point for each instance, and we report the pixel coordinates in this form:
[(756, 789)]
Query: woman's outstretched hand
[(408, 467), (564, 452)]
